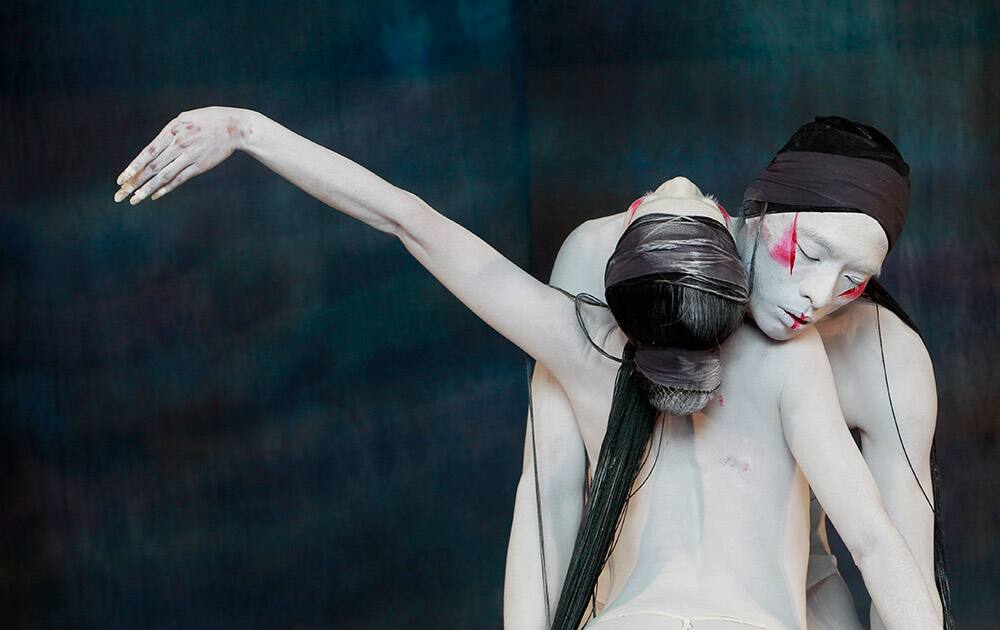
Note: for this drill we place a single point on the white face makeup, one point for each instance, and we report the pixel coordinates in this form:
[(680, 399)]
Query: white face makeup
[(808, 265)]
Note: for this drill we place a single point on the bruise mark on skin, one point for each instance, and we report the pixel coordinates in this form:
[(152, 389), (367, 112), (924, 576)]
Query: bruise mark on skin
[(855, 292), (732, 462), (784, 250)]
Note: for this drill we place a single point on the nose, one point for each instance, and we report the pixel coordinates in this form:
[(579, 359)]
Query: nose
[(679, 187), (818, 288)]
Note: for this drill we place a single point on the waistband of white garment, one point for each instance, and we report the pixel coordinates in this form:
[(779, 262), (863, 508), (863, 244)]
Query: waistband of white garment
[(666, 621)]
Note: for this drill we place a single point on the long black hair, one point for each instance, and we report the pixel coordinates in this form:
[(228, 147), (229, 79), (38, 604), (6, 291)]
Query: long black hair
[(656, 311)]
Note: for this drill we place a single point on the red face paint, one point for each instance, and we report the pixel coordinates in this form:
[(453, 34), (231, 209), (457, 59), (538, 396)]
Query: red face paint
[(635, 206), (850, 294), (725, 215), (722, 401), (784, 250)]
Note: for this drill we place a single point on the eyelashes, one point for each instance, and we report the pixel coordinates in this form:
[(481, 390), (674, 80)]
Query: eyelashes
[(855, 283), (803, 252)]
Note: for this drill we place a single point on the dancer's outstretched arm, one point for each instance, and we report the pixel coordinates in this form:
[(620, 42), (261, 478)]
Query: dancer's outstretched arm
[(537, 318)]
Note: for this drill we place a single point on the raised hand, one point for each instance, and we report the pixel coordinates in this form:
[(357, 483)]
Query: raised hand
[(189, 145)]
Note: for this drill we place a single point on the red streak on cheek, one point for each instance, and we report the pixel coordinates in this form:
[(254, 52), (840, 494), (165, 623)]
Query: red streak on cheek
[(855, 292), (722, 401), (725, 215), (784, 250), (635, 206)]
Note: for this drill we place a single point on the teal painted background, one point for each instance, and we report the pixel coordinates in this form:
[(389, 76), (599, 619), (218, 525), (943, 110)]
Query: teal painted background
[(234, 407)]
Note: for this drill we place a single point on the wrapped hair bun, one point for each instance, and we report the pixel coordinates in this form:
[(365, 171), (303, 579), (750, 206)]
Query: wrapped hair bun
[(678, 381)]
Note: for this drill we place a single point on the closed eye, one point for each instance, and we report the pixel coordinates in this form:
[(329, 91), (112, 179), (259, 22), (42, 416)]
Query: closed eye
[(804, 253)]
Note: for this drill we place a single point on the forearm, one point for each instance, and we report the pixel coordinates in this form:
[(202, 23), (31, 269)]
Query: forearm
[(896, 586), (326, 175), (524, 600)]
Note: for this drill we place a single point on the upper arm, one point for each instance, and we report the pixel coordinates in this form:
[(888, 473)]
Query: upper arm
[(537, 318), (821, 443), (559, 435), (914, 400)]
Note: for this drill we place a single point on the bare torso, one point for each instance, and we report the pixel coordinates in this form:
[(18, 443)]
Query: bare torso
[(721, 526)]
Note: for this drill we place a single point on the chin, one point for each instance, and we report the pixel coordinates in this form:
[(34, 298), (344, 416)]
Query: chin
[(779, 333), (774, 327)]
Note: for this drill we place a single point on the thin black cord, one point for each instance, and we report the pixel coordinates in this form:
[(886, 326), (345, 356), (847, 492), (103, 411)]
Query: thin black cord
[(538, 502), (885, 373)]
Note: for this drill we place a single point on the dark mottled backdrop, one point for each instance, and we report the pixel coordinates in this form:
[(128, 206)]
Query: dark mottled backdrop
[(234, 407)]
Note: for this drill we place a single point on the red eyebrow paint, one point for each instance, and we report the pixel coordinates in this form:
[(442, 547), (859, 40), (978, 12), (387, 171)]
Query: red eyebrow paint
[(855, 292), (784, 250)]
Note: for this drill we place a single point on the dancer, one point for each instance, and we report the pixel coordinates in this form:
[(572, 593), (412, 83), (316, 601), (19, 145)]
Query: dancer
[(728, 561), (786, 277)]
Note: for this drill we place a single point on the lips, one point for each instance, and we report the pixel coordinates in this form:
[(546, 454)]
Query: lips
[(797, 320)]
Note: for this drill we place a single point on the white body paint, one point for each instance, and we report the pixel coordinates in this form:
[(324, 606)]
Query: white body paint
[(722, 528), (851, 344)]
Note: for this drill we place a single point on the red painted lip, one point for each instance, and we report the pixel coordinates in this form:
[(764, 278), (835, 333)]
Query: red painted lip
[(801, 320)]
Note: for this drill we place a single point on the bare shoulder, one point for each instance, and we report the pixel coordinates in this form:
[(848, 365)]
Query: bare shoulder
[(748, 343), (749, 356), (583, 255), (867, 348), (595, 232)]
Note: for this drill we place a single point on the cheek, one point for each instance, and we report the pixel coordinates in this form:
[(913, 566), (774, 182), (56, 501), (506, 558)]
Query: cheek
[(783, 252), (851, 294)]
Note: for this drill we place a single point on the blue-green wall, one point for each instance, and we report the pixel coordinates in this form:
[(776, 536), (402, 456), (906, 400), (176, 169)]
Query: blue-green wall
[(234, 407)]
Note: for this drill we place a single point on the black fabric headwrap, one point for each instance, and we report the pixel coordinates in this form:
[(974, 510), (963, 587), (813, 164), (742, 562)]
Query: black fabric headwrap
[(680, 368), (812, 181), (692, 251), (696, 252)]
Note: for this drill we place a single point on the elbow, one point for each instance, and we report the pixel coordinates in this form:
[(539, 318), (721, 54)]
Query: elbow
[(867, 541), (411, 222)]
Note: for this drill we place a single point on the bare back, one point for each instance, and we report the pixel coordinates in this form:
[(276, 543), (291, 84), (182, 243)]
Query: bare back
[(720, 527)]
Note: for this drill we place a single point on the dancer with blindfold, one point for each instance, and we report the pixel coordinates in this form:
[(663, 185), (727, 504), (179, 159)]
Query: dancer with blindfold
[(744, 422), (816, 225)]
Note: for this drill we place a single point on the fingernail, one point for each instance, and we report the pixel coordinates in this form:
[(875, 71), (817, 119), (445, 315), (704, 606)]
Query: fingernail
[(124, 176), (121, 194), (137, 197), (157, 194)]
